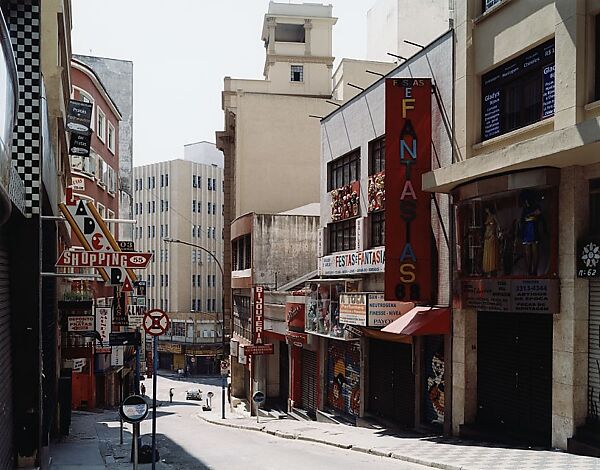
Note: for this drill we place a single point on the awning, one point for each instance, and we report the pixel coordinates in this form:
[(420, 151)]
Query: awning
[(380, 335), (421, 321)]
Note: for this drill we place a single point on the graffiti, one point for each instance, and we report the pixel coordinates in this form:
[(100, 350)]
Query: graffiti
[(343, 374), (435, 387)]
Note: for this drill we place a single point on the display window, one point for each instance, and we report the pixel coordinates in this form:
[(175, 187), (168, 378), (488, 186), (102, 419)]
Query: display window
[(322, 307)]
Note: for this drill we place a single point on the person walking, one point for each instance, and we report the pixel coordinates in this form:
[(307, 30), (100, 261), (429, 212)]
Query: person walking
[(170, 395), (143, 389)]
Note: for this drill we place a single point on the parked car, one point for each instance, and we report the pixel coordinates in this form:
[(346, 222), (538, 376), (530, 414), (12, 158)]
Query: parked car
[(193, 394)]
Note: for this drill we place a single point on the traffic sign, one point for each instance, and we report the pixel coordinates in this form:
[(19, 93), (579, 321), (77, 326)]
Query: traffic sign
[(258, 397), (133, 409), (121, 338), (104, 259), (156, 322)]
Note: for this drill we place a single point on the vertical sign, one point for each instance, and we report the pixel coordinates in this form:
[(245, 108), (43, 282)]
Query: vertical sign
[(360, 229), (104, 327), (408, 209), (259, 314), (548, 91)]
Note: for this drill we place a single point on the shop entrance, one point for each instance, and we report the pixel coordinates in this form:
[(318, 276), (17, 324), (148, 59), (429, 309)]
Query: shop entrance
[(309, 382), (391, 381), (284, 374), (514, 375)]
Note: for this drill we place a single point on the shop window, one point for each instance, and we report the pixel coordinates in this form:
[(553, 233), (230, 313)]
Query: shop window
[(322, 307), (508, 234), (377, 228), (297, 73), (342, 236), (519, 92), (344, 170), (377, 156)]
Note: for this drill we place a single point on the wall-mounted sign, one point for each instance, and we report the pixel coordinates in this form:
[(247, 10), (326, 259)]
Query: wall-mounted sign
[(258, 317), (588, 258), (126, 245), (408, 208), (79, 364), (511, 295), (381, 312), (295, 310), (258, 349), (353, 309), (297, 339), (103, 259), (125, 338), (172, 348), (233, 347), (78, 183), (116, 358), (79, 117), (104, 327), (80, 323), (356, 262)]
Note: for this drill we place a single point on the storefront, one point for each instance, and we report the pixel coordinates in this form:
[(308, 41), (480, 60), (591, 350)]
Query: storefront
[(343, 377), (507, 245)]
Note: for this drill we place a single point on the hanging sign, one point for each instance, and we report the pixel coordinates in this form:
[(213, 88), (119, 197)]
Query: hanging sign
[(104, 327), (408, 208), (79, 117), (80, 144), (80, 323)]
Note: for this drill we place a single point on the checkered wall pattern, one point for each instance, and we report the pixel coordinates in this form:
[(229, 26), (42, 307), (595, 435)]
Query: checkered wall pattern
[(23, 18)]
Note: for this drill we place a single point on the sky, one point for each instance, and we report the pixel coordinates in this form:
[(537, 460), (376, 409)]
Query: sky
[(181, 54)]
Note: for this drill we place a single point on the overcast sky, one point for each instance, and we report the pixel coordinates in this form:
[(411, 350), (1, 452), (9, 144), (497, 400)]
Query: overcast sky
[(181, 50)]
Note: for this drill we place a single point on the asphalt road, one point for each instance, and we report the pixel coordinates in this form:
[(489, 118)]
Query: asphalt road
[(186, 442)]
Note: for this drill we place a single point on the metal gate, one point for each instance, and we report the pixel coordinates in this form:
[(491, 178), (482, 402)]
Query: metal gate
[(6, 419), (594, 353), (391, 382), (343, 377), (514, 375), (309, 382)]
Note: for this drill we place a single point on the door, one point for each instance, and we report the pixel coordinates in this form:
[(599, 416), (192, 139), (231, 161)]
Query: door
[(284, 373), (391, 381), (594, 354), (514, 375), (309, 382), (6, 424)]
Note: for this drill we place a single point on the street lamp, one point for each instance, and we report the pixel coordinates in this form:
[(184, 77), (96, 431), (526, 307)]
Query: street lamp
[(223, 378)]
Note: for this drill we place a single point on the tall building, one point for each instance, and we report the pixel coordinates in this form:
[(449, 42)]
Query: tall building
[(523, 180), (116, 76), (183, 200), (391, 22)]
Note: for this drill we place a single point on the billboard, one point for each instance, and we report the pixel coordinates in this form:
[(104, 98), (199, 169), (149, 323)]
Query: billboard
[(408, 235)]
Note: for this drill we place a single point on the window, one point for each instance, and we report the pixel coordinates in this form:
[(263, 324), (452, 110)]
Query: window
[(149, 183), (167, 179), (153, 207), (214, 184), (241, 253), (153, 182), (166, 206), (166, 230), (342, 236), (297, 73), (166, 280), (162, 180), (519, 92), (343, 170), (101, 210), (287, 32), (208, 207), (110, 215), (178, 328), (112, 180), (194, 184), (193, 305), (487, 4), (194, 205), (378, 228), (377, 156), (208, 305), (101, 125), (210, 184), (214, 305), (154, 231), (86, 98), (111, 137)]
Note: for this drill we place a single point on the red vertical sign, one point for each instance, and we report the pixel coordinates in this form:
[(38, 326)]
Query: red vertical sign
[(407, 208), (258, 317)]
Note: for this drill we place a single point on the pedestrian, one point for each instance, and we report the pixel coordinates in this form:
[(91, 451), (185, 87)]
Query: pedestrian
[(170, 395), (143, 389)]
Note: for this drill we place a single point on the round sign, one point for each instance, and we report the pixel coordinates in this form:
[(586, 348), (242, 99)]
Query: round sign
[(156, 322), (225, 364), (210, 394), (258, 397), (133, 409)]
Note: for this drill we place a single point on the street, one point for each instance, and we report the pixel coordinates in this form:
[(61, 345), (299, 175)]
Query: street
[(187, 442)]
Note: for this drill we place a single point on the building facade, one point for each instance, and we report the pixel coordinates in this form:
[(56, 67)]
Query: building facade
[(522, 180), (183, 200)]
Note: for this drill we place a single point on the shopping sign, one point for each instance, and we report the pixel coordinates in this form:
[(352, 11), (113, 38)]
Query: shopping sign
[(93, 234), (156, 322), (103, 259), (258, 317), (408, 235)]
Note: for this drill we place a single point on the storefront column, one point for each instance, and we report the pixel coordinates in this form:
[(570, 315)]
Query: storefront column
[(570, 329), (464, 368), (295, 377), (237, 378)]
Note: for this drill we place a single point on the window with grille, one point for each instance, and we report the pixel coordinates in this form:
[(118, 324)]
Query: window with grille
[(297, 73), (377, 228), (343, 170), (342, 236), (377, 156)]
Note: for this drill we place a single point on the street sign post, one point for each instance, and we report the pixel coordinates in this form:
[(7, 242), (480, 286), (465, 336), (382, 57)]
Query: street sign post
[(133, 410), (258, 397), (156, 323)]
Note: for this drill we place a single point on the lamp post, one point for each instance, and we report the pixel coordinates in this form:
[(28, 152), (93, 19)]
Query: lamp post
[(223, 378)]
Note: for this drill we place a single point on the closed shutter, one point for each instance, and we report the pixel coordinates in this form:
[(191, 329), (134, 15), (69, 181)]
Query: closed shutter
[(594, 352), (309, 382), (343, 377), (514, 374), (391, 382), (6, 419)]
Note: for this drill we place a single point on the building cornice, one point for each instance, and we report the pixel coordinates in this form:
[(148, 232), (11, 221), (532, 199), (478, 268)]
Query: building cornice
[(85, 69)]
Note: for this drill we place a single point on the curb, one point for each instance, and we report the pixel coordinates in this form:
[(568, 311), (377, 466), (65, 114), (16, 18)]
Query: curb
[(364, 450)]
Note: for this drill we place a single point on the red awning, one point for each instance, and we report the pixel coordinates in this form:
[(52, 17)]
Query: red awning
[(421, 321)]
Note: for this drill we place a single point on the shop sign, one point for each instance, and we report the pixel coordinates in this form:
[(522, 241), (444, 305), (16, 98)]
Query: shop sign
[(233, 347), (353, 309), (258, 317), (126, 245), (297, 339), (357, 262), (80, 323), (381, 312), (259, 349), (79, 364), (80, 144), (295, 313), (116, 358), (511, 295), (78, 183), (588, 258), (242, 359), (79, 117), (360, 234), (173, 348), (104, 328), (408, 208)]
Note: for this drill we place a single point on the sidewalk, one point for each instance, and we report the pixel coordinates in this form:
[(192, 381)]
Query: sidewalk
[(437, 452)]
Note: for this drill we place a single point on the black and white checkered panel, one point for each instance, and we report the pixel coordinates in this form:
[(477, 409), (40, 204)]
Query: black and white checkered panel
[(24, 25)]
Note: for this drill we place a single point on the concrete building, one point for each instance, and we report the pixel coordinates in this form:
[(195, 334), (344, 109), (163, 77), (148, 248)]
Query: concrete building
[(390, 22), (523, 180), (182, 199), (116, 76)]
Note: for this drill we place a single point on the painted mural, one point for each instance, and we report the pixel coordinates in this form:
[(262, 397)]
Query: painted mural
[(343, 377), (434, 390)]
